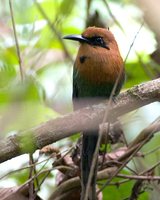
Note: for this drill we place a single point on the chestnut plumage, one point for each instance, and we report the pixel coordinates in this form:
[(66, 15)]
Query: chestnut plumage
[(96, 69)]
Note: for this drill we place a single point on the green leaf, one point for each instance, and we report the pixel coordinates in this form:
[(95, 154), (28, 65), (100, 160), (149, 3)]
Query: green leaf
[(121, 190), (7, 74), (66, 7), (22, 107), (135, 74)]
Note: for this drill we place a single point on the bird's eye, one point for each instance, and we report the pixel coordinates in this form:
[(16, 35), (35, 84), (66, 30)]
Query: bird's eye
[(99, 40)]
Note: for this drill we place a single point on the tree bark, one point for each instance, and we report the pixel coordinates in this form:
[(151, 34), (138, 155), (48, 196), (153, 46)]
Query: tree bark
[(87, 118)]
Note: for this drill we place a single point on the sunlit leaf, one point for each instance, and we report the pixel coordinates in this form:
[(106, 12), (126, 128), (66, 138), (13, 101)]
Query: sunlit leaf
[(7, 74), (135, 74)]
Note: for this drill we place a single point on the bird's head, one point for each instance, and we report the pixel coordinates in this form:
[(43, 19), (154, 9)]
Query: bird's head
[(98, 54), (95, 37)]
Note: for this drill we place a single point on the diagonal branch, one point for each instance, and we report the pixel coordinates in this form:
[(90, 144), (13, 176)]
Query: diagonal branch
[(86, 118), (16, 41), (133, 148), (110, 172), (54, 30)]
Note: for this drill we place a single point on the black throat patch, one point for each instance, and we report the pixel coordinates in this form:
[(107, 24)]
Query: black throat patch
[(82, 59)]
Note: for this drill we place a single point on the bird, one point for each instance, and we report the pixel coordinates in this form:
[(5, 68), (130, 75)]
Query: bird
[(97, 66)]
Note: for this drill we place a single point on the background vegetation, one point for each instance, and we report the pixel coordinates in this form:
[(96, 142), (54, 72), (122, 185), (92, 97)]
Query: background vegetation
[(36, 78)]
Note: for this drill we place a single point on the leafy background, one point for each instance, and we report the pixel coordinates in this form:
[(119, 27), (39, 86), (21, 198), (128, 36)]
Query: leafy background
[(47, 61)]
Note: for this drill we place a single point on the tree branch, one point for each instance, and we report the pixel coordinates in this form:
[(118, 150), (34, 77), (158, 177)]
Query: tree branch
[(75, 182), (87, 118), (110, 172)]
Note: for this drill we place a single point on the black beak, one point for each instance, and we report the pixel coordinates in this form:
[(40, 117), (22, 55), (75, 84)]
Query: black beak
[(79, 38)]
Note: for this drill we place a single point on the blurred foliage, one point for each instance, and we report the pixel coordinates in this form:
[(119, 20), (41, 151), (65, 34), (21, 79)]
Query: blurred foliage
[(46, 90), (118, 192)]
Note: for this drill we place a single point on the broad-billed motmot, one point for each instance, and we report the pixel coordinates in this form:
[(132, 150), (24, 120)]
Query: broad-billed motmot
[(96, 69)]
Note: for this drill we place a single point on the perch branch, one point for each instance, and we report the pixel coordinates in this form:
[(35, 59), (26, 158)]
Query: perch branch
[(86, 118)]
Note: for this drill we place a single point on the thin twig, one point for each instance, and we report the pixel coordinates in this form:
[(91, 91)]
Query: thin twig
[(118, 183), (56, 167), (105, 142), (150, 169), (138, 177), (147, 69), (154, 126), (151, 151), (40, 173), (37, 163), (33, 177), (54, 30), (75, 181), (134, 39), (112, 16), (23, 168), (136, 148), (16, 41), (136, 190), (31, 183)]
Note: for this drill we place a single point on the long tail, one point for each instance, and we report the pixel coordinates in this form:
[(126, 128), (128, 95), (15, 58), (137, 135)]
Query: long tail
[(89, 142)]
